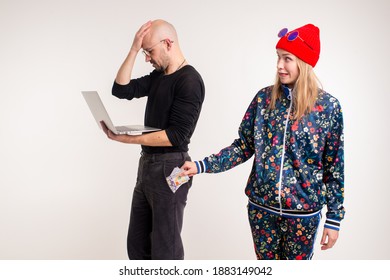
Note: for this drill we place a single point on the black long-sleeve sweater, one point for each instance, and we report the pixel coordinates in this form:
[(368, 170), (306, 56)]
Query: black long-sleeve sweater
[(174, 104)]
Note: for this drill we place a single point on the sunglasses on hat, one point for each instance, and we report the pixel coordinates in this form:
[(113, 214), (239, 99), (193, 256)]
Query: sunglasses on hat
[(291, 36)]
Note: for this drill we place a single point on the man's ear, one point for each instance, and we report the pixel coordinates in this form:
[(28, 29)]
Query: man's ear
[(169, 43)]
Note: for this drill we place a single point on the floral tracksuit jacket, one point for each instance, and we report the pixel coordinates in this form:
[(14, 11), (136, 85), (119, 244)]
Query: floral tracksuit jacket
[(298, 165)]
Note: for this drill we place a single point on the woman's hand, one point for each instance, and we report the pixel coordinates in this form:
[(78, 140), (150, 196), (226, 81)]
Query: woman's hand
[(189, 168)]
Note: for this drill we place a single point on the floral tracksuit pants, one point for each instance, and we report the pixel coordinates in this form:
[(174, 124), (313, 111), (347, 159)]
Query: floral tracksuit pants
[(285, 236)]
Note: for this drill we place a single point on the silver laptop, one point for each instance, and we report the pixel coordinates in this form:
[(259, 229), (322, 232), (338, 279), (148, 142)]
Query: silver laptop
[(98, 110)]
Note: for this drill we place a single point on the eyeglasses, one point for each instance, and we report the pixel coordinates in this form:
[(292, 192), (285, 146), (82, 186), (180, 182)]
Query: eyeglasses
[(148, 52), (291, 36)]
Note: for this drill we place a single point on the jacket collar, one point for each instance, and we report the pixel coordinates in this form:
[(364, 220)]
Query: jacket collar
[(287, 91)]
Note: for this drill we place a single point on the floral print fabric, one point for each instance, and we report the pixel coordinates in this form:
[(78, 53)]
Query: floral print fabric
[(312, 173), (277, 237)]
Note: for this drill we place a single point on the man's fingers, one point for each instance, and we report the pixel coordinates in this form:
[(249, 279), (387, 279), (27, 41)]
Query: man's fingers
[(145, 28)]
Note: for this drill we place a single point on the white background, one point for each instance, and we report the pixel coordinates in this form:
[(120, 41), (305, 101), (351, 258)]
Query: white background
[(65, 189)]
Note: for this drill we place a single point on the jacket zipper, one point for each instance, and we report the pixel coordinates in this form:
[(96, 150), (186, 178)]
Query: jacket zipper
[(283, 152)]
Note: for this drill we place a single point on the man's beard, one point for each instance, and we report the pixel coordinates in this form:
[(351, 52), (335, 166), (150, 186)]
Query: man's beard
[(159, 68)]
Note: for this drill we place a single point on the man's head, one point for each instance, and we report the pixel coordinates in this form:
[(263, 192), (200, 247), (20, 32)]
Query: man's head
[(161, 45)]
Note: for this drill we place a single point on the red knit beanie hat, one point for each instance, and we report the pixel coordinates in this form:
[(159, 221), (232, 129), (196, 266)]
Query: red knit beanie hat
[(303, 42)]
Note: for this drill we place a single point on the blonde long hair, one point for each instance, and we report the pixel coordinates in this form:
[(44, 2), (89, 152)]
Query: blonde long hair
[(305, 91)]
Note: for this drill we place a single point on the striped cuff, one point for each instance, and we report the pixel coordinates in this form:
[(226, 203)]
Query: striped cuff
[(200, 166), (332, 224)]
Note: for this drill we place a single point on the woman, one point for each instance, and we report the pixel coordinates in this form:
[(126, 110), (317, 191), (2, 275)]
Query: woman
[(294, 129)]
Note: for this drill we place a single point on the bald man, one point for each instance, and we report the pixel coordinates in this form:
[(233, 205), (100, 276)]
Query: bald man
[(175, 93)]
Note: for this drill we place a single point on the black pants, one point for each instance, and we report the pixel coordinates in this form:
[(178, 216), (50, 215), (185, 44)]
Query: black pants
[(156, 217)]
